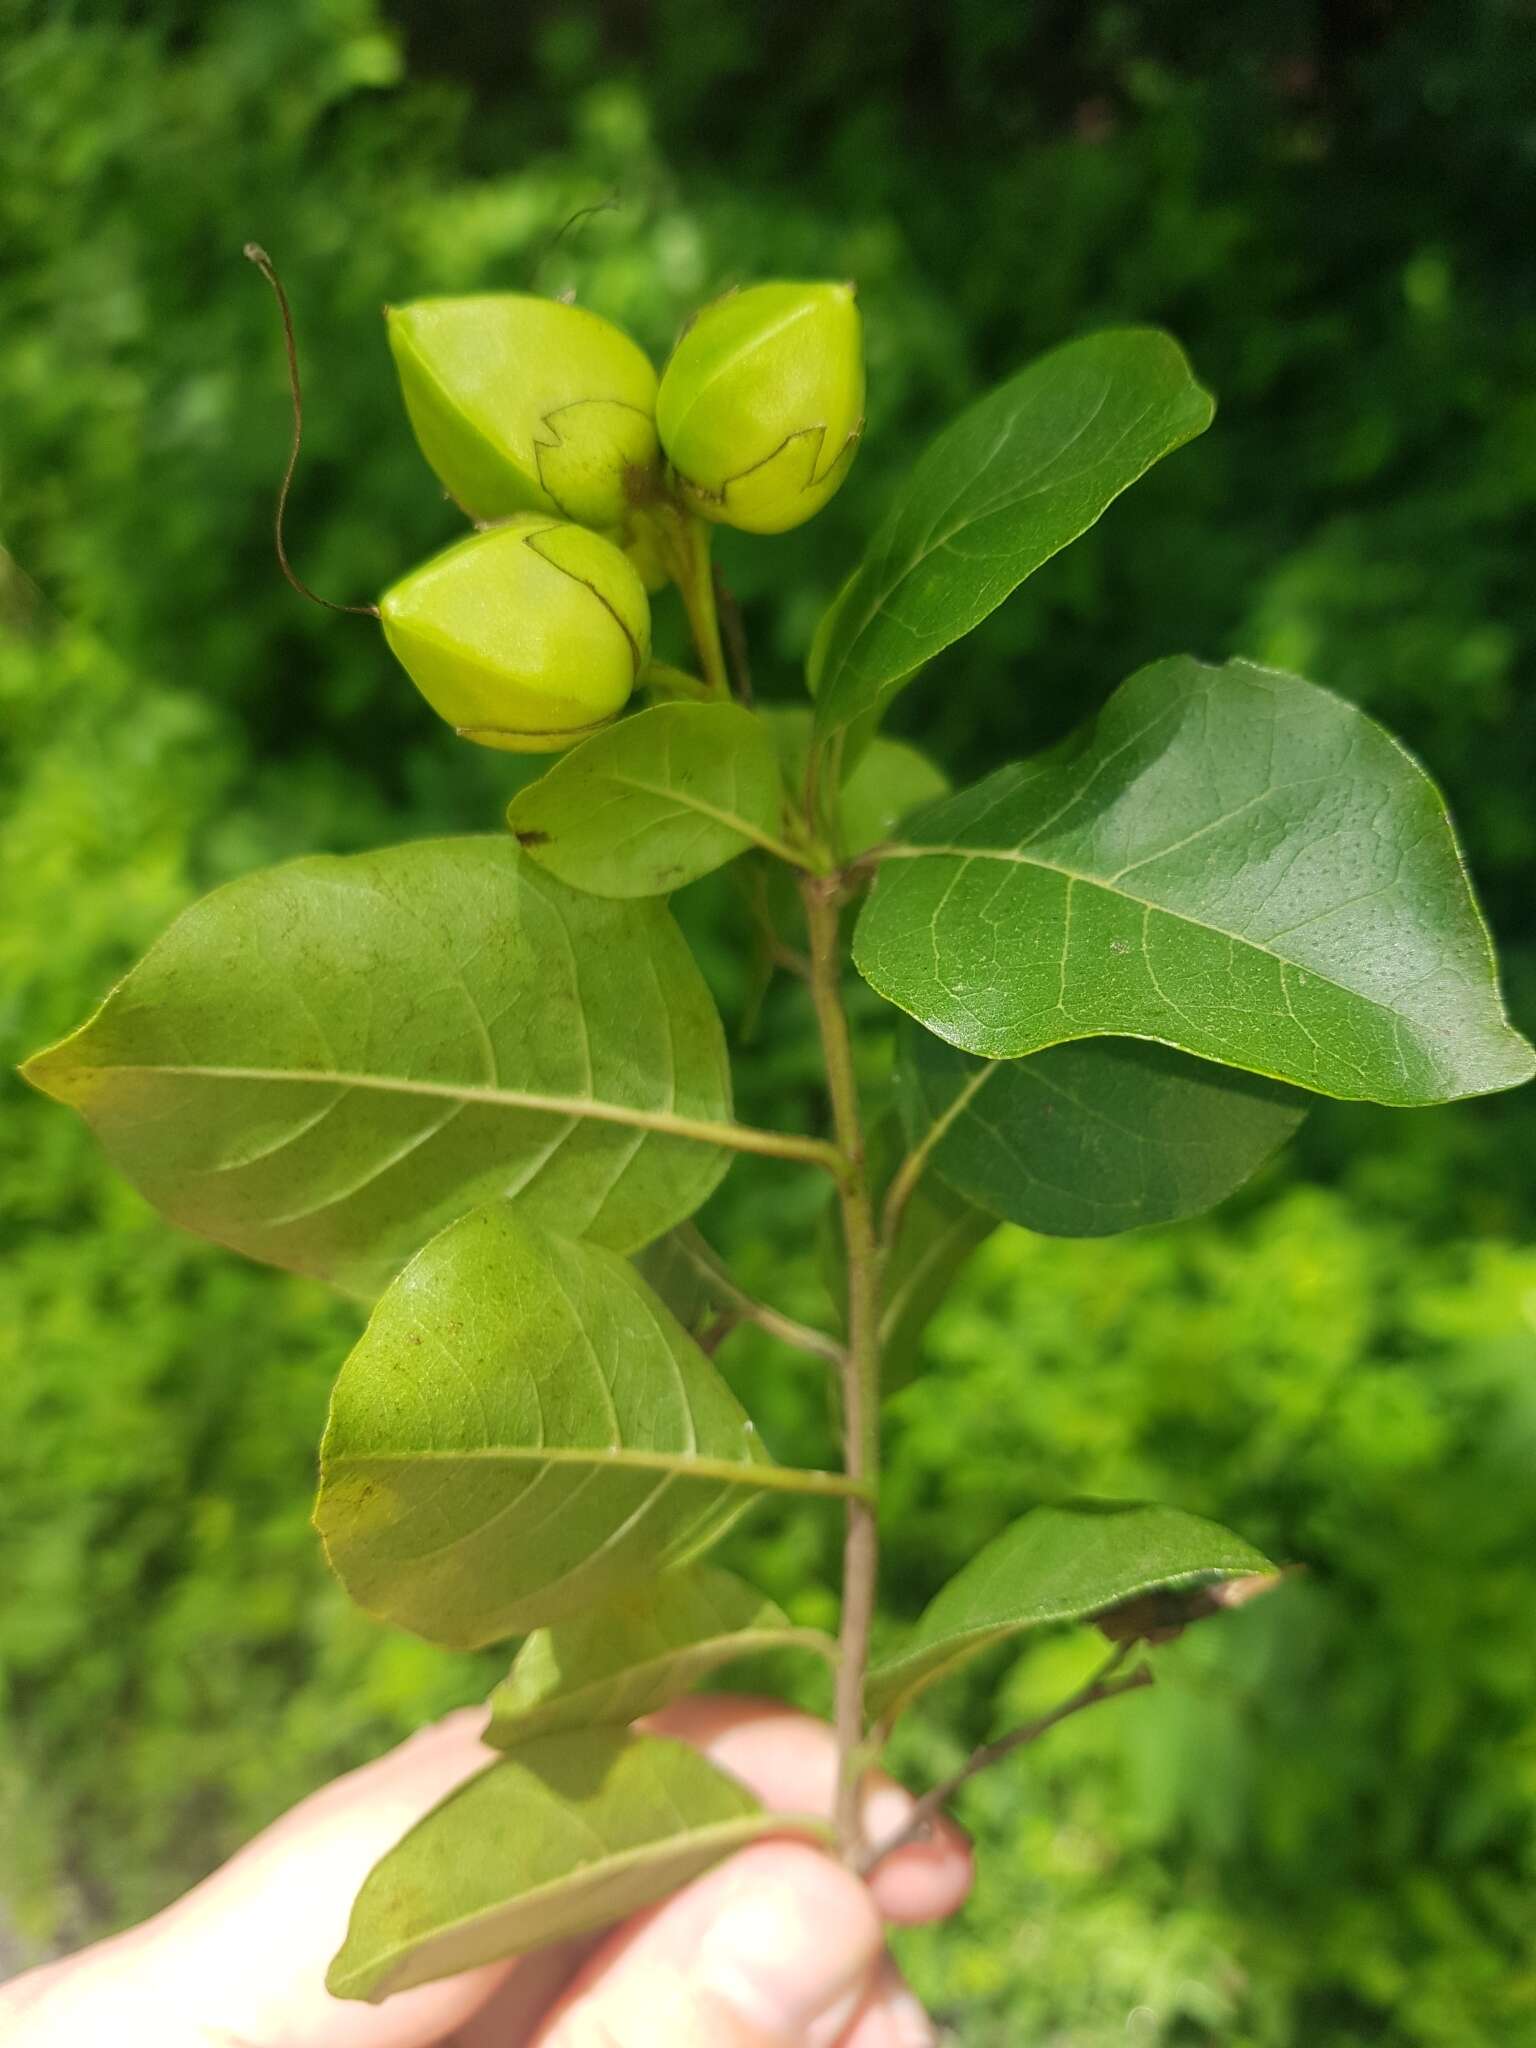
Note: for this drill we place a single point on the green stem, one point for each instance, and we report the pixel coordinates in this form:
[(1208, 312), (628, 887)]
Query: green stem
[(912, 1168), (695, 579), (801, 1336), (861, 1367), (1103, 1686)]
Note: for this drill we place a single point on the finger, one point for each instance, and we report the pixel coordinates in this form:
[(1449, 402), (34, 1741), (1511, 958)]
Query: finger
[(790, 1761), (243, 1957), (777, 1948), (890, 2016)]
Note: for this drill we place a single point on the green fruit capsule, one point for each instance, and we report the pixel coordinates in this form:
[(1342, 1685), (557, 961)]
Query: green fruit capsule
[(528, 405), (761, 407), (528, 636)]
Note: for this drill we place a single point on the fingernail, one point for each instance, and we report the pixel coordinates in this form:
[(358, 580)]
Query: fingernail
[(789, 1956)]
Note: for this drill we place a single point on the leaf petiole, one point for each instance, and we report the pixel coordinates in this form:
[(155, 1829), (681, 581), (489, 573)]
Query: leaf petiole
[(1104, 1685)]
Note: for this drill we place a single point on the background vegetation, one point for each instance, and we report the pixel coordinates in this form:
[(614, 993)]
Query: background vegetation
[(1322, 1829)]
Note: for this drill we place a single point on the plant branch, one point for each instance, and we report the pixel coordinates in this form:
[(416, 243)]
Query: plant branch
[(913, 1167), (1104, 1686), (735, 636), (702, 1257), (694, 576), (861, 1370)]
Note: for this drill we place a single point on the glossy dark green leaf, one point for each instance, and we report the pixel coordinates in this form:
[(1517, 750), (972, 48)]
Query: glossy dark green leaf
[(564, 1836), (522, 1430), (654, 802), (324, 1063), (1017, 477), (1055, 1564), (630, 1656), (1103, 1135), (1228, 860)]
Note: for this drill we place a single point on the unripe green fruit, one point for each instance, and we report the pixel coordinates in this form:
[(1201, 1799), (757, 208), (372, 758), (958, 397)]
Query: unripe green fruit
[(528, 405), (527, 636), (761, 407)]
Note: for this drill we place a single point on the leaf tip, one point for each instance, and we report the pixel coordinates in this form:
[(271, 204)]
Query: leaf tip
[(347, 1978), (53, 1073)]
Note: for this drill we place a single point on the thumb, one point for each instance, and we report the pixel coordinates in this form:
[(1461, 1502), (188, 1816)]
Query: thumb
[(775, 1949)]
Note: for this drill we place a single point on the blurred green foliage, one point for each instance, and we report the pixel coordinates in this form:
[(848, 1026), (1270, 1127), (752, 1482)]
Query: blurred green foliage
[(1322, 1828)]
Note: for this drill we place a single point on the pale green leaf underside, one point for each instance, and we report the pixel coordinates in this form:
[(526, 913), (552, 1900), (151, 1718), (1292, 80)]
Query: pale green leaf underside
[(653, 802), (1228, 860), (563, 1837), (1055, 1564), (324, 1063), (522, 1430), (613, 1663), (1095, 1137), (1018, 476)]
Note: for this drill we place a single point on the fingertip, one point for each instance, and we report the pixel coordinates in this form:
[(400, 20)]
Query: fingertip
[(927, 1879), (789, 1760), (891, 2016), (777, 1945)]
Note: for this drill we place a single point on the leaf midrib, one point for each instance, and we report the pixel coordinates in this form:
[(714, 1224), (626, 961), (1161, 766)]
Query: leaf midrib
[(1016, 856), (729, 1834), (706, 1129), (703, 1650), (671, 793), (600, 1457), (930, 1660)]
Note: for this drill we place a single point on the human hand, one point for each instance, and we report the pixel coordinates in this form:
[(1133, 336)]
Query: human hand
[(779, 1947)]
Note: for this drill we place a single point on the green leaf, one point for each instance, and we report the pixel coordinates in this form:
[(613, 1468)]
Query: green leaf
[(568, 1834), (890, 779), (1055, 1564), (524, 1429), (630, 1656), (939, 1231), (1228, 860), (1084, 1140), (670, 1271), (324, 1063), (655, 801), (1018, 476)]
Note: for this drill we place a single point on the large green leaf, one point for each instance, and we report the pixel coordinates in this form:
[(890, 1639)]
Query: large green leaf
[(324, 1063), (524, 1429), (1020, 474), (1228, 860), (569, 1833), (655, 801), (630, 1656), (1055, 1564), (1103, 1135)]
